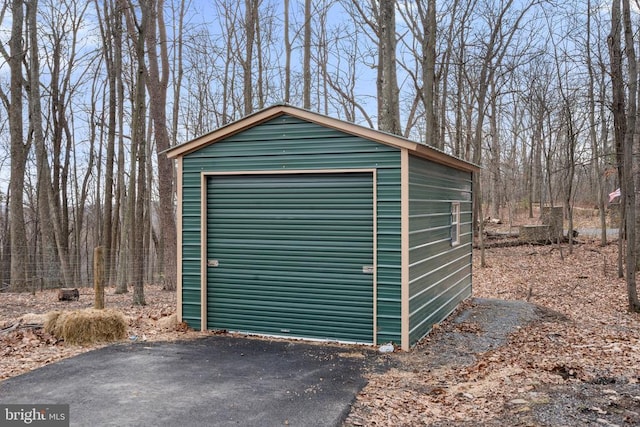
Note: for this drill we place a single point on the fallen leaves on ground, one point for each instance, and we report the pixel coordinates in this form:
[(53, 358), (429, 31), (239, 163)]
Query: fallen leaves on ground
[(25, 346), (585, 336)]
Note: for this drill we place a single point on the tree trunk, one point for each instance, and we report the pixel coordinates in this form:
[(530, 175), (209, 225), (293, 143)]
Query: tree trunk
[(260, 51), (388, 92), (428, 73), (111, 31), (494, 157), (157, 84), (119, 184), (287, 54), (306, 57), (19, 255), (138, 255), (178, 70), (48, 240), (593, 136), (630, 167), (247, 62), (138, 193)]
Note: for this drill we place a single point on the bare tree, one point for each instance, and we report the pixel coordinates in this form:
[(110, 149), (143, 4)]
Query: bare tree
[(467, 83), (378, 17), (110, 21), (421, 20), (138, 193), (138, 155), (15, 58), (250, 22), (178, 62), (428, 73), (306, 57), (624, 128), (593, 137), (495, 47), (157, 82), (63, 192), (342, 78), (631, 171), (44, 194), (287, 54), (388, 92)]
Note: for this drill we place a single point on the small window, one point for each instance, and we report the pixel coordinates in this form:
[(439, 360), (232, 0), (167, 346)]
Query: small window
[(455, 223)]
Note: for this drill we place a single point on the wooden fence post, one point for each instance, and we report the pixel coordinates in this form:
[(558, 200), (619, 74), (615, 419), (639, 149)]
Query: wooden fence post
[(98, 277)]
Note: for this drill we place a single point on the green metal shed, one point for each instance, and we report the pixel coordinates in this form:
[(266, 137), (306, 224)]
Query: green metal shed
[(292, 223)]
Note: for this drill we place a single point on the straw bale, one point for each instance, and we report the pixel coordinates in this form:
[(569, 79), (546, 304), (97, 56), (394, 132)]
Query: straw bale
[(88, 326), (33, 319), (51, 325)]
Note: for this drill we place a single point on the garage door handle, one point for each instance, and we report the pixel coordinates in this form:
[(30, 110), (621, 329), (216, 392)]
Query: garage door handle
[(367, 269), (212, 263)]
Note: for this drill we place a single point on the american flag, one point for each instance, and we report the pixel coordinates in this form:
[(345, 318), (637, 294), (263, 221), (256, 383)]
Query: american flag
[(613, 195)]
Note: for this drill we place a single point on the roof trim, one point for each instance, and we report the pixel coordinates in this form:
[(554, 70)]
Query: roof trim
[(272, 112)]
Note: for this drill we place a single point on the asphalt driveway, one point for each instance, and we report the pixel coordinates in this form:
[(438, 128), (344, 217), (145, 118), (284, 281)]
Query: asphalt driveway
[(215, 381)]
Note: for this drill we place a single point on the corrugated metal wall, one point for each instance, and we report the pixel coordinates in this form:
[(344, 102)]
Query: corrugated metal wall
[(439, 273), (287, 143)]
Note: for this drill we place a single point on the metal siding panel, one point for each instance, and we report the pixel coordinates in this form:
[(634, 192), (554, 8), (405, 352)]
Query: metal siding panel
[(290, 143), (439, 265), (429, 295), (440, 307), (191, 252), (440, 275), (291, 250), (433, 234), (389, 257), (425, 252), (392, 323), (264, 144), (290, 161)]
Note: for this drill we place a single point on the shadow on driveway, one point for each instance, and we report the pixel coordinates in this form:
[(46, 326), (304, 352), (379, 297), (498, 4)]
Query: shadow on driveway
[(215, 381)]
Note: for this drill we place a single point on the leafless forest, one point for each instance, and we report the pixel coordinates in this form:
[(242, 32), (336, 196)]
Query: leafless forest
[(542, 94)]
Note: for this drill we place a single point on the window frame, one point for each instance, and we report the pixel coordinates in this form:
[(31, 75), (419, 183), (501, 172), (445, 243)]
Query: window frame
[(455, 223)]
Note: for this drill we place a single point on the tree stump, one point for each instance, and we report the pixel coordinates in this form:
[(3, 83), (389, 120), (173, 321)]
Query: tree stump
[(554, 218), (535, 234), (68, 294)]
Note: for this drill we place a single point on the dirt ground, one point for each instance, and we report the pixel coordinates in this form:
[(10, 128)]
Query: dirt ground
[(25, 348), (572, 358)]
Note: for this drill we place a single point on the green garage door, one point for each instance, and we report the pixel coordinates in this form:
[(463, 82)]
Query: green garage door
[(286, 253)]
